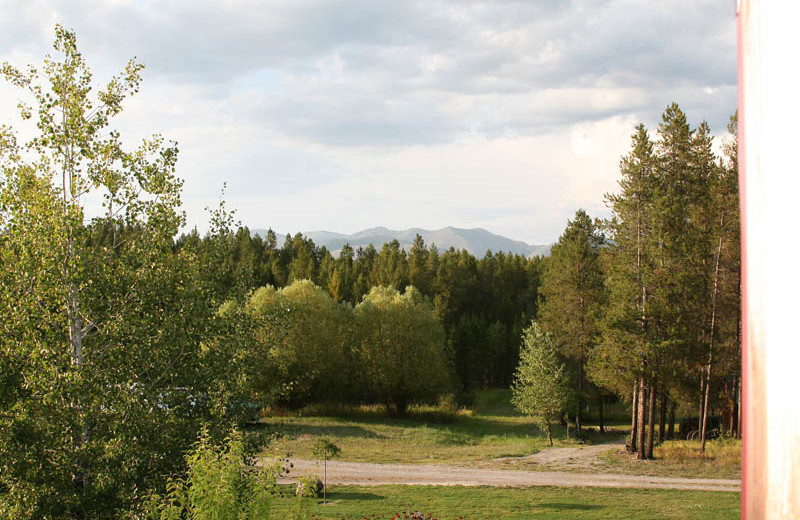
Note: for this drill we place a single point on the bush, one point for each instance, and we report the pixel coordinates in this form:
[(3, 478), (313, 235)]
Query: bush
[(308, 486), (222, 483), (402, 347)]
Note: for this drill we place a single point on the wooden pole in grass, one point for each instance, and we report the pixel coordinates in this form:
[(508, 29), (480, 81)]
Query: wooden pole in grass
[(769, 186)]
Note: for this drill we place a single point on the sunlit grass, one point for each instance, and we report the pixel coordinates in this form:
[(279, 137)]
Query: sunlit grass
[(428, 434), (490, 429), (470, 503), (465, 438), (722, 459)]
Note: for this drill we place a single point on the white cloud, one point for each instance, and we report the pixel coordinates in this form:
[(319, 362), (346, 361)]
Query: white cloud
[(345, 114), (524, 187)]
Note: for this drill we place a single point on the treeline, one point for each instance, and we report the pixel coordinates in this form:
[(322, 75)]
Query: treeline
[(647, 305), (483, 304)]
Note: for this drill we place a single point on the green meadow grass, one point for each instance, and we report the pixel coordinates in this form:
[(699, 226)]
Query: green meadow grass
[(427, 435), (490, 429), (476, 503)]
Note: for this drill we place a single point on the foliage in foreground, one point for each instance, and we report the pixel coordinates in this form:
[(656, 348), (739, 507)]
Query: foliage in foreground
[(223, 483), (104, 378)]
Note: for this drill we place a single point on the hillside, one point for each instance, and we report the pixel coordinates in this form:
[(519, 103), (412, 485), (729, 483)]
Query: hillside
[(476, 241)]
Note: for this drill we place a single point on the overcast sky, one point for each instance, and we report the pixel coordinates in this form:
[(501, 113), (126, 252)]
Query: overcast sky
[(343, 115)]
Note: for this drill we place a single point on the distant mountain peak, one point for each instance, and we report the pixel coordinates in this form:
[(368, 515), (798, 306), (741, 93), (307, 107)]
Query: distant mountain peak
[(476, 241)]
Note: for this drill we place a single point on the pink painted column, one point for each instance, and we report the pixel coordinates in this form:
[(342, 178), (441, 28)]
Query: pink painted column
[(769, 166)]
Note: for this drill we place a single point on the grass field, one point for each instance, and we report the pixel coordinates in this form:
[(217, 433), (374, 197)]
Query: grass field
[(490, 429), (462, 503), (365, 434)]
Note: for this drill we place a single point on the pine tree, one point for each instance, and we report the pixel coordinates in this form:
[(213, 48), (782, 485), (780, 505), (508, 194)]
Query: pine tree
[(621, 361), (572, 293)]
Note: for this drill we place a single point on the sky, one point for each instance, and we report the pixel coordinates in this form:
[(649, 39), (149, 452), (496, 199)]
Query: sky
[(342, 115)]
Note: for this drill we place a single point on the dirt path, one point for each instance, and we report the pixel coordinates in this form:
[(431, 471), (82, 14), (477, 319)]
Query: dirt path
[(569, 458), (368, 474)]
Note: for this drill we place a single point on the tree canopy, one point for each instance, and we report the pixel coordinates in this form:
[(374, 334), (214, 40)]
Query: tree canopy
[(104, 378)]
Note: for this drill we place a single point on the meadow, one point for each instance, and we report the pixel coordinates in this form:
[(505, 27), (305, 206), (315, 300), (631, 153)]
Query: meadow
[(428, 434), (489, 430)]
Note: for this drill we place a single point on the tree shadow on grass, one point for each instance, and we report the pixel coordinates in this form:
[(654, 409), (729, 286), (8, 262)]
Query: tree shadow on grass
[(352, 495), (332, 430), (570, 507)]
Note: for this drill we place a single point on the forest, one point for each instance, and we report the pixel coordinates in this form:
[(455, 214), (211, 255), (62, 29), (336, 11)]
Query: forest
[(122, 337)]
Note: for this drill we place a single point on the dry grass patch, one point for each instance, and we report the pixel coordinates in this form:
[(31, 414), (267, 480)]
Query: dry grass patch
[(722, 459)]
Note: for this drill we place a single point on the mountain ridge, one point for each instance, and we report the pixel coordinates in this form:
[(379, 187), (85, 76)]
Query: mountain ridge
[(476, 241)]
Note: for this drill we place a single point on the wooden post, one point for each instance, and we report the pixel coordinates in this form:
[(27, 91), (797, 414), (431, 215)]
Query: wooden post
[(769, 190)]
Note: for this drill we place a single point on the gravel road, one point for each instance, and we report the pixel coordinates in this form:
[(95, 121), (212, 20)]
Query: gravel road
[(369, 474)]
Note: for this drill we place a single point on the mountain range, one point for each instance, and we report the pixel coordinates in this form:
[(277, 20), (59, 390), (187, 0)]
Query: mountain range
[(476, 241)]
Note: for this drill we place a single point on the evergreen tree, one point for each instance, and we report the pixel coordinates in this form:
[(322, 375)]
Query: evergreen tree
[(572, 293), (420, 270), (621, 361)]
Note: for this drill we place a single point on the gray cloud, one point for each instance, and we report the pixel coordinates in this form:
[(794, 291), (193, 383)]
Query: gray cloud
[(293, 82)]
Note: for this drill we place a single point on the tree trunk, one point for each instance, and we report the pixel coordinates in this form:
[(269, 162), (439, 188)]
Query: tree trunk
[(634, 412), (602, 402), (640, 418), (76, 332), (325, 478), (704, 426), (651, 420), (702, 393), (567, 417), (662, 419), (580, 398), (549, 434), (671, 428)]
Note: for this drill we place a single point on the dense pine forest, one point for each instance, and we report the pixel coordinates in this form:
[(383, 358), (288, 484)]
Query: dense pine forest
[(122, 339), (482, 304)]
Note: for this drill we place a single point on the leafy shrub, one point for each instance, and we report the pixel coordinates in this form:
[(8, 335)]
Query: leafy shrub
[(222, 483), (308, 486)]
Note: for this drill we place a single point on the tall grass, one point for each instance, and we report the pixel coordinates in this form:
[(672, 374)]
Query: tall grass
[(722, 459)]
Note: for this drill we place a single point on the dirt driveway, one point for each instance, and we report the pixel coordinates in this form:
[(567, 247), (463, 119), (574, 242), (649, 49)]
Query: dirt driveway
[(366, 474), (569, 467), (570, 458)]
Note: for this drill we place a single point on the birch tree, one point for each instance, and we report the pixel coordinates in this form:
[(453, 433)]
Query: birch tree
[(100, 321), (540, 387)]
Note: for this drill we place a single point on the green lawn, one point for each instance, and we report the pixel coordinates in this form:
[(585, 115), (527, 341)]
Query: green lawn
[(468, 503)]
